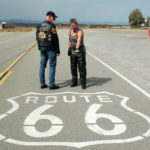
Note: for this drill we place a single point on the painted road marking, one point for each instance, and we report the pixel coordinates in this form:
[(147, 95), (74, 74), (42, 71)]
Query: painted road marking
[(35, 116), (4, 73), (116, 72), (92, 114), (5, 77)]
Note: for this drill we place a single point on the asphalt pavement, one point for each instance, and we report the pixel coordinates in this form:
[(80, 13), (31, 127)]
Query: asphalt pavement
[(111, 114)]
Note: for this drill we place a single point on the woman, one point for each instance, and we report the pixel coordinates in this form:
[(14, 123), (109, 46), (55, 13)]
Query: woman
[(76, 51)]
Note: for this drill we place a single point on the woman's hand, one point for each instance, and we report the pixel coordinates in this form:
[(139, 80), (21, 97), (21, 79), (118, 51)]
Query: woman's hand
[(77, 52)]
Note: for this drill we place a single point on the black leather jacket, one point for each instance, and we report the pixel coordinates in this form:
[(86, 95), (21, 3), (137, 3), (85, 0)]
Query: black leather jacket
[(47, 38)]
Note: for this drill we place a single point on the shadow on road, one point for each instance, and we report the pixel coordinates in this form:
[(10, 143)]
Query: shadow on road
[(92, 81)]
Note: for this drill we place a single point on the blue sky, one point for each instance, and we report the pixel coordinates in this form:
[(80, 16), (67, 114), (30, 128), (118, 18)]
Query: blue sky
[(83, 10)]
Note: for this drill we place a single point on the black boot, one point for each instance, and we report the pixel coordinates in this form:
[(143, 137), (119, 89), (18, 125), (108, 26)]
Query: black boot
[(84, 87), (83, 82), (73, 84)]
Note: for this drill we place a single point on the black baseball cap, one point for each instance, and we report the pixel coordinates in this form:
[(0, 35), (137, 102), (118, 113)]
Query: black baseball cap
[(51, 13)]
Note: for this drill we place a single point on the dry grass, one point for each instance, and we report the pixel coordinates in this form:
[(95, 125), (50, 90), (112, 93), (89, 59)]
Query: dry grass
[(18, 29), (63, 27), (103, 27)]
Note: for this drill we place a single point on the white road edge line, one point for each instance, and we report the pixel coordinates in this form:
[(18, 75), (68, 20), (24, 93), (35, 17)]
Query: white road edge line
[(117, 73)]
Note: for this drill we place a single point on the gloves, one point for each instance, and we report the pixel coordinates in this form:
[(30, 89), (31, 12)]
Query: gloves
[(77, 52)]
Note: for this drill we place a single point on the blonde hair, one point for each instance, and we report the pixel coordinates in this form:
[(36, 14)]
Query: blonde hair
[(74, 21)]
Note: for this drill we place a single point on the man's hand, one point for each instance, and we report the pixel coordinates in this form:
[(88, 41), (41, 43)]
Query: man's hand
[(58, 54)]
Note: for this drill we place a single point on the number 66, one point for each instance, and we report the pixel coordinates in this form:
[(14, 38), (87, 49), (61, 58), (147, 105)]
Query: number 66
[(91, 118)]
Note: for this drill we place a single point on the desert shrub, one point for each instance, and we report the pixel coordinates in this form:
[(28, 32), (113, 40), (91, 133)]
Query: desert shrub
[(9, 26)]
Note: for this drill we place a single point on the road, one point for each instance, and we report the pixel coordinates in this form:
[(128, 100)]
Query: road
[(112, 113), (12, 45)]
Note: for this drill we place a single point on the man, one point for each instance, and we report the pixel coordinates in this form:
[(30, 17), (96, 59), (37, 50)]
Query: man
[(48, 44)]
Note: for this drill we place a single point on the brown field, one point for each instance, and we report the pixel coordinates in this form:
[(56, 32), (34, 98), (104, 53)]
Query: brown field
[(102, 27), (28, 29), (18, 29)]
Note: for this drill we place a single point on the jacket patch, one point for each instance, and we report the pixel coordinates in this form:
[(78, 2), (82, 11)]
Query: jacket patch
[(54, 30), (42, 35)]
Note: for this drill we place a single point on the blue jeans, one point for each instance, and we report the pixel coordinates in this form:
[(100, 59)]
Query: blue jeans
[(45, 56)]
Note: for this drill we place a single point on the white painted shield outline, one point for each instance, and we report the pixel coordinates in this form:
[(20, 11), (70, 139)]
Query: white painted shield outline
[(123, 103)]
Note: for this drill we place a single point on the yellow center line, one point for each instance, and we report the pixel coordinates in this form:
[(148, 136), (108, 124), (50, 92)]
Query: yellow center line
[(5, 77), (1, 74), (9, 67)]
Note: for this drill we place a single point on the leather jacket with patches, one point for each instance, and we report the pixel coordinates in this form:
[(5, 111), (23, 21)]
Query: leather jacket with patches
[(47, 38)]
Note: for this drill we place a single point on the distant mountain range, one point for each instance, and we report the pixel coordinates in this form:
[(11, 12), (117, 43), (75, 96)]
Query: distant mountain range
[(19, 21)]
